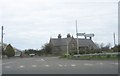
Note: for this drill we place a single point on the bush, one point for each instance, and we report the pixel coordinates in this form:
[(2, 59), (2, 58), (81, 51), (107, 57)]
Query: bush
[(108, 56), (9, 51)]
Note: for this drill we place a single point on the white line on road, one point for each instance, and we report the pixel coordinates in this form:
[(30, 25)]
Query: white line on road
[(73, 65), (40, 60), (21, 66), (47, 65), (60, 65), (34, 66), (101, 63), (115, 63), (7, 63), (7, 67), (87, 64), (65, 65)]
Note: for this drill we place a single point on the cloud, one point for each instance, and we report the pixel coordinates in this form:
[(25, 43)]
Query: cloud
[(33, 22)]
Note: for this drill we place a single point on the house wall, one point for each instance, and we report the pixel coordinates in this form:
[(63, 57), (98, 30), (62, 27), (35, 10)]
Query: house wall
[(58, 50), (72, 45), (63, 48)]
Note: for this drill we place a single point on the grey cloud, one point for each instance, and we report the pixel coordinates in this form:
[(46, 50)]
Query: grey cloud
[(32, 21)]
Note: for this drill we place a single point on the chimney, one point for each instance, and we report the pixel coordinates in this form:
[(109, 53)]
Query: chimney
[(68, 36), (59, 36)]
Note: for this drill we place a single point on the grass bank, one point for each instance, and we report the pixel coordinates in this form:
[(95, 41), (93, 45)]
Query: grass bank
[(97, 57)]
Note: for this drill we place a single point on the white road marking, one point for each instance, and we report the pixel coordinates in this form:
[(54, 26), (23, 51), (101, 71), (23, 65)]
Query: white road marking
[(101, 63), (47, 65), (21, 66), (73, 65), (40, 60), (7, 67), (60, 65), (34, 66), (7, 63), (65, 65), (115, 63), (87, 64)]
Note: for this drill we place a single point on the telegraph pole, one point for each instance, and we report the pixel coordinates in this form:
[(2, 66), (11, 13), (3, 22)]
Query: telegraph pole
[(114, 39), (67, 49), (77, 38), (2, 39)]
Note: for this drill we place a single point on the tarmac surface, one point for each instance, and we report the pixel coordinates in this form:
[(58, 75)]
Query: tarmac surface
[(54, 65)]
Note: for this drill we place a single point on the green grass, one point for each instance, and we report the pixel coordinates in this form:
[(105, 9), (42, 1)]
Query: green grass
[(99, 57)]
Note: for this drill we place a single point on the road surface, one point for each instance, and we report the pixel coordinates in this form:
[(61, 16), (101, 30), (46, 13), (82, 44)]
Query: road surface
[(54, 65)]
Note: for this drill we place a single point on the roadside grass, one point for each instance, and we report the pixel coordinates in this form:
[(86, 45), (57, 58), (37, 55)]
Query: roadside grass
[(97, 57)]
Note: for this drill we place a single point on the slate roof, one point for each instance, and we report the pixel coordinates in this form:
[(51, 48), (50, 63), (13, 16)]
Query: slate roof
[(60, 42), (86, 42), (63, 42), (5, 45)]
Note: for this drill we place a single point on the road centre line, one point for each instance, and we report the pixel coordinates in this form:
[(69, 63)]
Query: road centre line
[(7, 63), (115, 63), (34, 65), (7, 67), (60, 65), (21, 66), (88, 64), (73, 65), (40, 60), (47, 65)]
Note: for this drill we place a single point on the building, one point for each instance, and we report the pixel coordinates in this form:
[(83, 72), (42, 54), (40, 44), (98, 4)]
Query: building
[(61, 45), (17, 51)]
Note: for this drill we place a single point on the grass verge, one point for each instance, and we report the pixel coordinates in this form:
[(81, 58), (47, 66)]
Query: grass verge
[(97, 57)]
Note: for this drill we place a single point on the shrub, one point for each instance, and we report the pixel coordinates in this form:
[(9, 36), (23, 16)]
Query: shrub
[(9, 51), (108, 56)]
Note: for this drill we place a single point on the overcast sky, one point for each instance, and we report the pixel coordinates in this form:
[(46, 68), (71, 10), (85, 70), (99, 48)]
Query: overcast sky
[(31, 23)]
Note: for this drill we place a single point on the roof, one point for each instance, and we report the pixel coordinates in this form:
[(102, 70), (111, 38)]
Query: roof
[(86, 42), (63, 42), (60, 42), (5, 45)]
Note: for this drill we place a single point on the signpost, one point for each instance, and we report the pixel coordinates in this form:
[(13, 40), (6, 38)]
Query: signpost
[(89, 35), (81, 34), (2, 39), (77, 38)]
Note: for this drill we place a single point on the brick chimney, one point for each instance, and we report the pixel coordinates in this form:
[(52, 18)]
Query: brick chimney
[(68, 35), (59, 36)]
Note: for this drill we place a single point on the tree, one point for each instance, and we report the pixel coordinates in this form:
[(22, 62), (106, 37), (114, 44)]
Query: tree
[(98, 45), (9, 51), (47, 48), (116, 48)]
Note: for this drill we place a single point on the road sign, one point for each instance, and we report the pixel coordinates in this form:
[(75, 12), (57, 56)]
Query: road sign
[(80, 34), (89, 35)]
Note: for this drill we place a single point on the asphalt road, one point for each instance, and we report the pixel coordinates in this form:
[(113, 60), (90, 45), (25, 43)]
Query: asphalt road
[(54, 65)]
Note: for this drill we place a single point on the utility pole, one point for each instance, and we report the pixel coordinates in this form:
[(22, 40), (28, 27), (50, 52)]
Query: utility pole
[(77, 38), (67, 49), (114, 39), (2, 39)]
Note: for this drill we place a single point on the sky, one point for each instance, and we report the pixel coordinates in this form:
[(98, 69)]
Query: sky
[(29, 24)]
